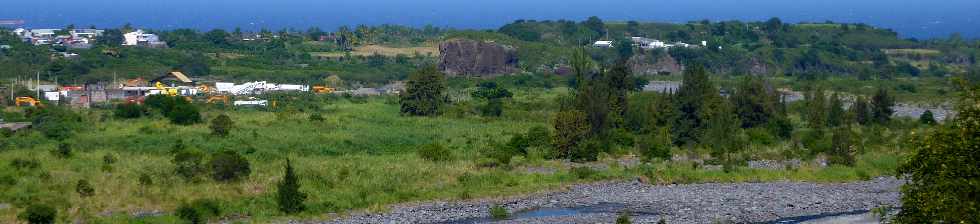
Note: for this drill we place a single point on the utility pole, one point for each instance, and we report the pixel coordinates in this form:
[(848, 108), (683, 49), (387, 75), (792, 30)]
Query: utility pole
[(37, 87)]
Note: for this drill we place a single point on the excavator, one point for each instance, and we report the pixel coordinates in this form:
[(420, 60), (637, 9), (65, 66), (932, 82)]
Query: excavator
[(323, 89), (26, 100), (219, 98), (170, 91)]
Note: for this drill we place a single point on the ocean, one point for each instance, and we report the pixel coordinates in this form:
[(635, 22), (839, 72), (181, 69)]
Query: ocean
[(911, 18)]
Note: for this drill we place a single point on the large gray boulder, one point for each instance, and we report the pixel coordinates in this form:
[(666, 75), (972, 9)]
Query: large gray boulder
[(463, 57)]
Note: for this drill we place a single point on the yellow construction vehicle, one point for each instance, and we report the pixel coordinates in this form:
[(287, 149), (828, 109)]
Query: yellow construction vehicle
[(26, 100), (219, 98), (170, 91), (205, 89), (323, 89)]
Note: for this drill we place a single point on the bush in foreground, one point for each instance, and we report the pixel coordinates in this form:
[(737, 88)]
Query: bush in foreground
[(38, 214), (198, 211), (943, 173), (84, 188), (435, 152), (229, 166), (499, 212), (221, 126)]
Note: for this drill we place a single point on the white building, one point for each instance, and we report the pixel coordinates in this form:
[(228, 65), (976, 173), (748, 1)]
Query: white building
[(603, 44), (85, 33), (44, 33), (647, 43), (21, 32), (139, 37)]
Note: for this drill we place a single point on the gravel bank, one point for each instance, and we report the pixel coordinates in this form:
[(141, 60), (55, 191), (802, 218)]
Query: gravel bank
[(692, 203)]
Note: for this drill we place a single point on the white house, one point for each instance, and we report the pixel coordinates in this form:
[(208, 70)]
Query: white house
[(139, 37), (44, 33), (85, 33), (603, 44), (647, 43)]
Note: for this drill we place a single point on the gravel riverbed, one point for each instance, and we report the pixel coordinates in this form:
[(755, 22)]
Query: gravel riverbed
[(688, 203)]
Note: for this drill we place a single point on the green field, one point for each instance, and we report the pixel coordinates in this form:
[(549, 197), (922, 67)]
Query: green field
[(360, 157)]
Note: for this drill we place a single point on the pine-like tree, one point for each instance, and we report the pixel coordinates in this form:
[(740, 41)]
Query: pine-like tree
[(754, 103), (289, 197), (860, 112), (836, 115), (881, 106), (816, 106), (695, 101)]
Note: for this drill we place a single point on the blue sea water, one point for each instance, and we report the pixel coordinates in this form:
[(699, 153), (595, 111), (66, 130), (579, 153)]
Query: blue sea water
[(911, 18)]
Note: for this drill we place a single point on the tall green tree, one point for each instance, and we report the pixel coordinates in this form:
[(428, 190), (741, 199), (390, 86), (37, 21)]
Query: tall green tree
[(943, 172), (860, 112), (816, 108), (423, 94), (881, 106), (754, 103), (836, 116), (288, 196), (596, 25), (722, 133), (695, 101)]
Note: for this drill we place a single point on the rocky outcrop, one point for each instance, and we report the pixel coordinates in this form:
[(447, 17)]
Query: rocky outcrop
[(646, 65), (462, 57)]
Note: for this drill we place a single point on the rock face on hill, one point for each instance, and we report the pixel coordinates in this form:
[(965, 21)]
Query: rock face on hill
[(461, 57), (646, 65)]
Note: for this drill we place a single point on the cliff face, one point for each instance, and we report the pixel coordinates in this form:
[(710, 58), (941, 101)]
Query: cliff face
[(462, 57), (645, 65)]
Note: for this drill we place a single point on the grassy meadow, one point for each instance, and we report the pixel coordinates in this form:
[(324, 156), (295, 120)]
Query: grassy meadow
[(361, 156)]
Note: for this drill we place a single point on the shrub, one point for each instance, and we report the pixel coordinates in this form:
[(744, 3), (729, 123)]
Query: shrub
[(38, 214), (927, 118), (840, 153), (760, 136), (288, 196), (129, 110), (229, 166), (221, 126), (499, 212), (189, 164), (587, 151), (184, 114), (583, 172), (160, 103), (109, 159), (502, 154), (199, 211), (942, 171), (780, 127), (571, 127), (55, 122), (84, 188), (656, 146), (25, 164), (316, 117), (145, 179), (435, 152), (63, 150), (624, 218), (538, 136)]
